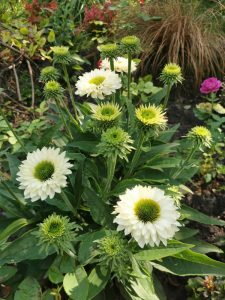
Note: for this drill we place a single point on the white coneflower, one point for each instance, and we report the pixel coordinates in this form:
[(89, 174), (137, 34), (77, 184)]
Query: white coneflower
[(98, 83), (120, 65), (147, 214), (43, 173)]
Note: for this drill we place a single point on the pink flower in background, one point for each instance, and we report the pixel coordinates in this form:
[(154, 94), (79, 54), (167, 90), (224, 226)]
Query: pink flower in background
[(210, 85)]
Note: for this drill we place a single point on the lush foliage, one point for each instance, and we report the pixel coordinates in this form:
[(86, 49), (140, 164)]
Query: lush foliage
[(93, 173)]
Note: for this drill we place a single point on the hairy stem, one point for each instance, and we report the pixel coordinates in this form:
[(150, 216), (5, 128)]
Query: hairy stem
[(63, 118), (111, 166)]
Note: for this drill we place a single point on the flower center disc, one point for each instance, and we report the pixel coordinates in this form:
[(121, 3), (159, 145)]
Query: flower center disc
[(148, 114), (97, 80), (44, 170), (107, 111), (56, 229), (147, 210)]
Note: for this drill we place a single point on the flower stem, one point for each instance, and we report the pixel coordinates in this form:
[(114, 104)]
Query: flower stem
[(111, 60), (169, 87), (186, 161), (111, 166), (12, 129), (70, 90), (136, 154), (129, 98), (74, 121), (63, 118)]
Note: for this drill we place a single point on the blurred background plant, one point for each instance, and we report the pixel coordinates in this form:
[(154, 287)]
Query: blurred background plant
[(210, 287), (184, 32)]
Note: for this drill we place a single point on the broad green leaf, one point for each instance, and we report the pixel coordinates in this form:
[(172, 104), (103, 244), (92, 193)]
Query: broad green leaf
[(47, 295), (76, 284), (100, 211), (189, 263), (28, 289), (6, 272), (13, 165), (185, 233), (12, 228), (156, 253), (23, 248), (87, 241), (159, 150), (98, 279), (51, 36), (195, 215), (202, 246), (54, 275), (125, 184)]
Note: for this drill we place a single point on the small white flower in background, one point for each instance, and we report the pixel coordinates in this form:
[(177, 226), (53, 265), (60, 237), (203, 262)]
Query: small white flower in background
[(120, 65), (147, 214), (219, 109), (98, 83), (43, 173)]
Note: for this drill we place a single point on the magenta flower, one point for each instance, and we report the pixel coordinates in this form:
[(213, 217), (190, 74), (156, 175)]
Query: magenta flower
[(210, 85)]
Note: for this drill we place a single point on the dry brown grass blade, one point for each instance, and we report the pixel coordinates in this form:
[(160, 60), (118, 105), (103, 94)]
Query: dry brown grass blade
[(183, 35)]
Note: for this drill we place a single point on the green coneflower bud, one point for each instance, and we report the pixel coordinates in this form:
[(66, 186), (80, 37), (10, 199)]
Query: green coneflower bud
[(171, 74), (112, 251), (106, 115), (201, 135), (151, 117), (61, 55), (175, 193), (49, 73), (131, 44), (53, 90), (57, 232), (109, 51), (115, 141)]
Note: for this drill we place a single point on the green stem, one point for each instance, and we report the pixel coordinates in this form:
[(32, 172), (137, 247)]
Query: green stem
[(186, 161), (111, 60), (74, 121), (70, 90), (68, 204), (129, 98), (71, 208), (12, 129), (169, 87), (63, 118), (136, 154), (111, 166)]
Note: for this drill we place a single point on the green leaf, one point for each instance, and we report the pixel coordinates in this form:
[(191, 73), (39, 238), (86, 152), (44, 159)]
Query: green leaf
[(86, 146), (185, 233), (6, 272), (85, 249), (156, 253), (76, 284), (98, 279), (189, 263), (13, 165), (51, 36), (12, 228), (195, 215), (202, 246), (28, 289), (100, 211), (54, 275), (125, 184), (24, 248)]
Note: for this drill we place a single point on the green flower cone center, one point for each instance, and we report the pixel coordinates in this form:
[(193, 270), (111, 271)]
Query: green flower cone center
[(147, 210), (112, 246), (97, 80), (148, 114), (44, 170), (56, 229), (107, 112)]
